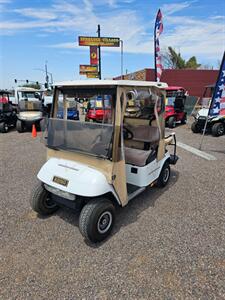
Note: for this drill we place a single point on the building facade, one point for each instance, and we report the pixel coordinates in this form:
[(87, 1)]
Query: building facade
[(194, 81)]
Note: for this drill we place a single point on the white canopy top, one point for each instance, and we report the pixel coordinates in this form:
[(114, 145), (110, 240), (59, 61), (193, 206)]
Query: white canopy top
[(98, 83)]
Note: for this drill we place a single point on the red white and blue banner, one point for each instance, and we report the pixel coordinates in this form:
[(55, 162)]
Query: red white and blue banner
[(217, 107), (157, 32)]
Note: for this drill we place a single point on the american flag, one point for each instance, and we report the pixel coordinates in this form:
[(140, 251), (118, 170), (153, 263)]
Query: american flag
[(217, 107), (158, 31)]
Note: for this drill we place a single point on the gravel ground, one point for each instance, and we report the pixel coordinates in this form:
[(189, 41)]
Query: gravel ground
[(167, 243)]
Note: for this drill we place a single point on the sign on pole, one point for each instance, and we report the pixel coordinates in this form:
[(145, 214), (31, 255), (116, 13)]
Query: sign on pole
[(99, 41), (92, 75), (93, 55), (88, 69)]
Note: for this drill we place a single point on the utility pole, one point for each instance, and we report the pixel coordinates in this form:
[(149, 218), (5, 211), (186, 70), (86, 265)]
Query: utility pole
[(46, 75), (99, 54)]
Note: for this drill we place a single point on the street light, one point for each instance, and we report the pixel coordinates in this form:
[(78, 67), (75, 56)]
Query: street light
[(121, 42), (39, 69)]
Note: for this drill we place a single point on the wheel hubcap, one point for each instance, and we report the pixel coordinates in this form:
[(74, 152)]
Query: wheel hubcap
[(104, 222), (220, 130), (49, 203), (166, 175)]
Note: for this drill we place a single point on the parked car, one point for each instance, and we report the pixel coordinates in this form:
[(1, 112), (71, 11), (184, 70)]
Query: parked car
[(7, 112), (175, 101)]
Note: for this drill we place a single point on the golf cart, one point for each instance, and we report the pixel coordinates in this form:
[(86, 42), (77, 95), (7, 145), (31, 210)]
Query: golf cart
[(175, 101), (97, 166), (30, 108), (215, 124), (7, 112), (97, 109)]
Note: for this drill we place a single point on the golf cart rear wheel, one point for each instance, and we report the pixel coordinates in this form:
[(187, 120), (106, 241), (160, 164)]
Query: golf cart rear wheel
[(96, 219), (171, 122), (41, 201), (218, 129), (195, 127), (19, 126), (164, 175), (4, 127)]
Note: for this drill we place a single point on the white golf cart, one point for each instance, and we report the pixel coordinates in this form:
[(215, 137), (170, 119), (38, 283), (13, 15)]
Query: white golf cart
[(99, 165), (30, 107)]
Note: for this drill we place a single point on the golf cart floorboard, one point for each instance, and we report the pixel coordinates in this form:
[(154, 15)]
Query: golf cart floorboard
[(133, 190)]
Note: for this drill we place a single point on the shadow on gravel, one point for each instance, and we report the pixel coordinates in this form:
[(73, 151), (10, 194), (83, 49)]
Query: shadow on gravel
[(128, 214)]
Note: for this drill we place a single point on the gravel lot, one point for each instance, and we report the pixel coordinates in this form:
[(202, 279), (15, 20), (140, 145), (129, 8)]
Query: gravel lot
[(167, 244)]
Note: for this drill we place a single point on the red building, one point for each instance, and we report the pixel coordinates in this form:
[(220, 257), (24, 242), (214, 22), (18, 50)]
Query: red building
[(192, 80)]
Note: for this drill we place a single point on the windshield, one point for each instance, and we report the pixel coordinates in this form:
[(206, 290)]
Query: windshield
[(25, 105), (87, 133)]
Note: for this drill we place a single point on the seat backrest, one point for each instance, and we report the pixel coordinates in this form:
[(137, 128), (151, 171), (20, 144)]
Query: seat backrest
[(149, 134)]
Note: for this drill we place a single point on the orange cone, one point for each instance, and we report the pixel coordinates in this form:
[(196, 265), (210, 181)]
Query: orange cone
[(34, 131)]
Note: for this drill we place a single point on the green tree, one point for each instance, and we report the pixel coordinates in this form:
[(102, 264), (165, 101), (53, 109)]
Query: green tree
[(173, 60)]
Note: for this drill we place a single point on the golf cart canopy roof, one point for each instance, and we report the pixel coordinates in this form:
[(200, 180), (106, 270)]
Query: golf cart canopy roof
[(174, 88), (27, 89), (110, 83), (3, 92)]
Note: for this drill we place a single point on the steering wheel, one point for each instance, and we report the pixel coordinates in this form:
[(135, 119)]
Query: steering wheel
[(127, 133)]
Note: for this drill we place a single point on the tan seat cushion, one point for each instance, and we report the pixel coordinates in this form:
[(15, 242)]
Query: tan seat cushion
[(136, 157)]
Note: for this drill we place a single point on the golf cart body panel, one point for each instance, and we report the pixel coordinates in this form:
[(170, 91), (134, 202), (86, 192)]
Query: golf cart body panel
[(100, 163), (75, 177), (146, 174)]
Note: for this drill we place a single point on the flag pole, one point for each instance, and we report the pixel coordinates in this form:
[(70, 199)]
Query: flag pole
[(204, 130), (155, 53)]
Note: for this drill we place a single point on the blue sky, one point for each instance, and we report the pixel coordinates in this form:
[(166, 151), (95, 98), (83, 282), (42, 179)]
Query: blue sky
[(35, 31)]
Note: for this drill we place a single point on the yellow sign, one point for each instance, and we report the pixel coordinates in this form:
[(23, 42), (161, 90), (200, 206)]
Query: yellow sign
[(92, 75), (88, 68), (99, 41)]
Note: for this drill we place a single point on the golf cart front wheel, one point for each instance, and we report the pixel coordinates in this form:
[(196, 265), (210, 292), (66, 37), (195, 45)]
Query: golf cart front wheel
[(195, 127), (171, 122), (4, 127), (19, 126), (218, 129), (96, 219), (164, 175), (41, 201)]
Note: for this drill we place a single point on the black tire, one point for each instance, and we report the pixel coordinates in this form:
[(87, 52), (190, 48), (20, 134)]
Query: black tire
[(4, 127), (41, 201), (96, 219), (171, 122), (19, 126), (164, 176), (184, 120), (218, 129), (195, 127)]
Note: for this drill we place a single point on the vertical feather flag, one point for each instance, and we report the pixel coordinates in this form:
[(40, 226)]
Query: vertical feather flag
[(217, 107), (158, 30)]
